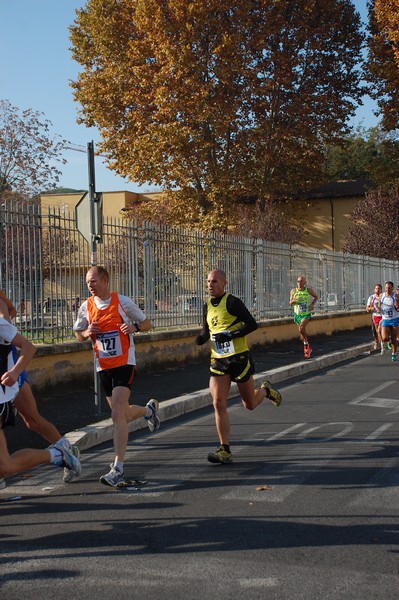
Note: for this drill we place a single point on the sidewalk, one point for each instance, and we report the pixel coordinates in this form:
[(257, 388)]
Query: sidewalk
[(182, 388)]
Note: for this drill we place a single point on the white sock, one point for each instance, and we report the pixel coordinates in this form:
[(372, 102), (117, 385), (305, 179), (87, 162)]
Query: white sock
[(119, 465), (148, 412)]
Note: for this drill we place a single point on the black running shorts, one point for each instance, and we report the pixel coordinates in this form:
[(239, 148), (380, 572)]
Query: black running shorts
[(117, 377), (240, 367)]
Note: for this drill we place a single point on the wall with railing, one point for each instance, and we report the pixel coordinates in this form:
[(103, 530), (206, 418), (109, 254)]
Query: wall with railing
[(44, 260)]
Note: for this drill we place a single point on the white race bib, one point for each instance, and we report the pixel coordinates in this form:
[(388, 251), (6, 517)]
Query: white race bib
[(221, 349), (387, 307), (109, 344), (303, 307)]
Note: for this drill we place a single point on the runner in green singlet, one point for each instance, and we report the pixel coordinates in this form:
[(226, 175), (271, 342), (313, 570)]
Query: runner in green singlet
[(303, 299)]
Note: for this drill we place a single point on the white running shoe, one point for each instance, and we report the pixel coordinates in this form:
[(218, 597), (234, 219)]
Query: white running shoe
[(69, 475), (69, 459), (113, 478), (153, 421)]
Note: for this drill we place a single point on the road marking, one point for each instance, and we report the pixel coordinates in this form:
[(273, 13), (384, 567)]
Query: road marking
[(283, 433), (346, 429), (370, 398), (365, 396), (377, 432), (302, 436)]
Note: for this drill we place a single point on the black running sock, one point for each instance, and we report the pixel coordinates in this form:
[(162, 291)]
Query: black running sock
[(225, 447)]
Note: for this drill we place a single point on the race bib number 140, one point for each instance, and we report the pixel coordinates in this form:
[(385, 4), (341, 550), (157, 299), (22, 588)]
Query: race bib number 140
[(223, 348)]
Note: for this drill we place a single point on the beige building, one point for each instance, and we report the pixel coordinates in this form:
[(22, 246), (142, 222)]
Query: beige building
[(324, 211), (113, 202)]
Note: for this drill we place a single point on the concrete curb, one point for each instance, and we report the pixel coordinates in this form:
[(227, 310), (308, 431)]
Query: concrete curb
[(101, 432)]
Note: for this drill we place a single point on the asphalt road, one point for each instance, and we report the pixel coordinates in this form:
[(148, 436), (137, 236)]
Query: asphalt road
[(309, 509), (74, 407)]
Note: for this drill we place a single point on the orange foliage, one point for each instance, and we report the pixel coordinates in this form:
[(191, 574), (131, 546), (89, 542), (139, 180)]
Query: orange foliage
[(383, 64), (387, 14), (217, 99)]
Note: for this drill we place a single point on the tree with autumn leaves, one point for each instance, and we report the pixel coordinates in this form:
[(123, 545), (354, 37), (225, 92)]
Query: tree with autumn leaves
[(383, 64), (29, 153), (387, 15), (374, 228), (380, 208), (217, 101)]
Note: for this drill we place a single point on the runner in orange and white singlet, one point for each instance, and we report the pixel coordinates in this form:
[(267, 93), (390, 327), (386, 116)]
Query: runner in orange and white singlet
[(110, 319), (373, 306), (112, 347)]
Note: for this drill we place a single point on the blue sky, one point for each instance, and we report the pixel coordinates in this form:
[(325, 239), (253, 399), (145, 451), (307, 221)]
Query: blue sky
[(37, 67)]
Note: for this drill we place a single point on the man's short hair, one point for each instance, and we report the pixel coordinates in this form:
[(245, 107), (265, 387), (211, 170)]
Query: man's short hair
[(102, 272)]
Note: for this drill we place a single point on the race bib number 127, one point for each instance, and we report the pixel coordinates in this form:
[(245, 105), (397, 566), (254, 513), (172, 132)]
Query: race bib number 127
[(109, 344)]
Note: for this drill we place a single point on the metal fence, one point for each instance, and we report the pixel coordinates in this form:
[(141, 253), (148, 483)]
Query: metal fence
[(44, 260)]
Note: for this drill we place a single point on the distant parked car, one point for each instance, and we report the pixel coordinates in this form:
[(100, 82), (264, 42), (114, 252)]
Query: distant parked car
[(141, 304), (194, 302), (189, 303), (332, 299), (51, 306)]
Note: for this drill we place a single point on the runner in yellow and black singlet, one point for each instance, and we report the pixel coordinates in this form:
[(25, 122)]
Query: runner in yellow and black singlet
[(227, 322)]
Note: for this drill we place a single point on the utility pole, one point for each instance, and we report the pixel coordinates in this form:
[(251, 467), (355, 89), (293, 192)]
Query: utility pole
[(88, 212), (92, 200)]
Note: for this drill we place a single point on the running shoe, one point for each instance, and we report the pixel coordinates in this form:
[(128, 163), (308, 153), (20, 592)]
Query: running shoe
[(153, 422), (68, 473), (2, 483), (389, 346), (69, 459), (220, 456), (113, 478), (271, 393), (307, 351), (394, 358)]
